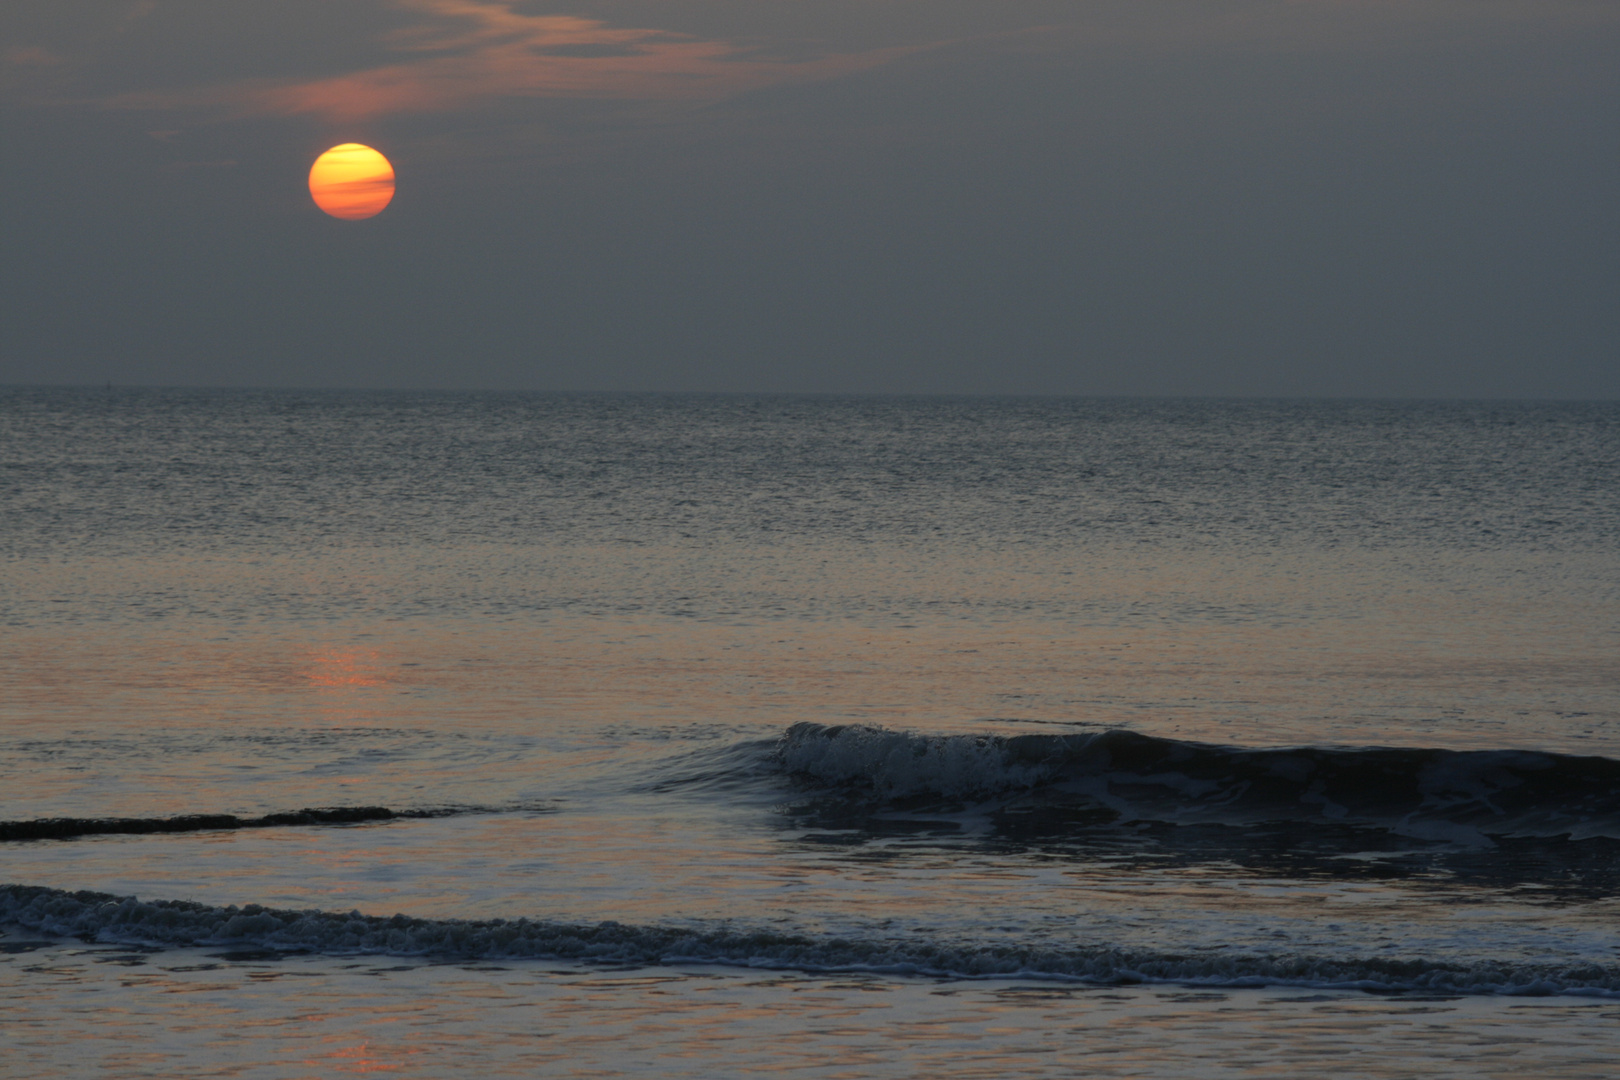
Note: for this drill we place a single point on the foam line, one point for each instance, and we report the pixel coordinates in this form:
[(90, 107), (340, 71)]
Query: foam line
[(175, 923)]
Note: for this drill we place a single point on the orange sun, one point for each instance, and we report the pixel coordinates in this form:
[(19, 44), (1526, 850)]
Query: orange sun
[(351, 182)]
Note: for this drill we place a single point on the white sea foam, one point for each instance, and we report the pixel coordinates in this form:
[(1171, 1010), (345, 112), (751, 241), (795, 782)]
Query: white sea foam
[(898, 765)]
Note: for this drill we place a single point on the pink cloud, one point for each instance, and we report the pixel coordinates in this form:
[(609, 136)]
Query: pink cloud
[(467, 51)]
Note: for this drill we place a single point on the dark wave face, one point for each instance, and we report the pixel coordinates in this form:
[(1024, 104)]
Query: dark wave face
[(1464, 797), (1494, 818)]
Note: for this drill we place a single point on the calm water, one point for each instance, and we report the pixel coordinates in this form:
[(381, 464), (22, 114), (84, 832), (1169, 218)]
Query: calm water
[(722, 736)]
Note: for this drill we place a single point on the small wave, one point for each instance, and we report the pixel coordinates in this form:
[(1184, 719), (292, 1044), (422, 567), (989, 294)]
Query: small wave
[(177, 923), (69, 828), (1447, 796)]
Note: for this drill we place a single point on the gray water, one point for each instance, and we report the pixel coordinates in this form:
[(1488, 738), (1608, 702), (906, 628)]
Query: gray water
[(725, 735)]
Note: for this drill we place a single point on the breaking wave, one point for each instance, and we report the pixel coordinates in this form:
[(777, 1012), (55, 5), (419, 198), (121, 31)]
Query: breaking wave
[(1451, 796), (175, 923)]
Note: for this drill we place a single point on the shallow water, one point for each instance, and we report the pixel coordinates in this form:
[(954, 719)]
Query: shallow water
[(241, 1014), (820, 685)]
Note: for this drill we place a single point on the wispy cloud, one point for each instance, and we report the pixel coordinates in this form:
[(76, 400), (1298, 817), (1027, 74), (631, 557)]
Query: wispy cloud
[(31, 56), (463, 52)]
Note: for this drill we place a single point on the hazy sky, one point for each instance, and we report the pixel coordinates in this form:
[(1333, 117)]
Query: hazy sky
[(1276, 197)]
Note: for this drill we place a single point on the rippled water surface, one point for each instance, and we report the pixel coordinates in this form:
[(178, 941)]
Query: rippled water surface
[(884, 735)]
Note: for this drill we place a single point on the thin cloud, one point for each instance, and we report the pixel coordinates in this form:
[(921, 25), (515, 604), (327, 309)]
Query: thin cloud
[(464, 52), (32, 56)]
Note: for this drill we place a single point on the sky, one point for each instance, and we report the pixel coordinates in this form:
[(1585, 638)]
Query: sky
[(1366, 198)]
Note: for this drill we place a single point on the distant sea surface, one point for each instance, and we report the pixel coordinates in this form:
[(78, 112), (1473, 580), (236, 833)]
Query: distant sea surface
[(502, 735)]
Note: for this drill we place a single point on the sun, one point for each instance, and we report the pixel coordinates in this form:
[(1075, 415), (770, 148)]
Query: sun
[(351, 182)]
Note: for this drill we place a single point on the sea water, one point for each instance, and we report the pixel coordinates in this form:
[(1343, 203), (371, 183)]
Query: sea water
[(513, 735)]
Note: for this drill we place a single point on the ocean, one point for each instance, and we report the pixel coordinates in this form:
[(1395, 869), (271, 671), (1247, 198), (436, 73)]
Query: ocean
[(503, 735)]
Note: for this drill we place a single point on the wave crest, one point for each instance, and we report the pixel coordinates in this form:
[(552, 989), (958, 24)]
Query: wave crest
[(1465, 797), (72, 828)]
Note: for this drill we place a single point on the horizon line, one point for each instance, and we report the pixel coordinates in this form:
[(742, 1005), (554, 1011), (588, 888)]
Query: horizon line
[(108, 386)]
